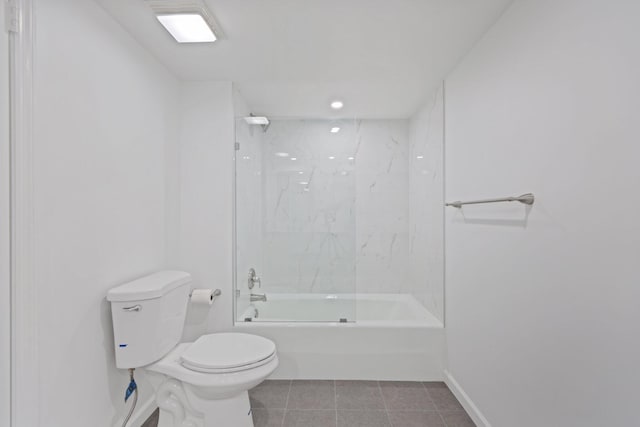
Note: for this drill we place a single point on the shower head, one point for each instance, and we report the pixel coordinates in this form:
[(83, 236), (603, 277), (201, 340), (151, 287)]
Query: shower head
[(262, 121), (256, 120)]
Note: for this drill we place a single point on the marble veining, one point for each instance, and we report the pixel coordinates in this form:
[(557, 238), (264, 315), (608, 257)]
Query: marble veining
[(426, 214)]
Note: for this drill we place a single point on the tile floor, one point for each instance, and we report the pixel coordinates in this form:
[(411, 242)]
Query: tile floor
[(152, 421), (298, 403), (280, 403)]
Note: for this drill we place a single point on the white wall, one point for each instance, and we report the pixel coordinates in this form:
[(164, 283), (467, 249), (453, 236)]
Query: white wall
[(426, 215), (542, 306), (203, 228), (104, 113), (5, 295)]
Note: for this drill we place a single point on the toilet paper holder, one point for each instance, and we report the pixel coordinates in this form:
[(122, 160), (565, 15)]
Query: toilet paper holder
[(216, 294)]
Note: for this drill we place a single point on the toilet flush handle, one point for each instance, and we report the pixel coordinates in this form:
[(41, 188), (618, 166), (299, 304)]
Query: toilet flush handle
[(136, 307)]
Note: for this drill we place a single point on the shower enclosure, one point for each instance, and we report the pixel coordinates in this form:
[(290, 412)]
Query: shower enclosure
[(329, 210), (338, 222), (296, 218)]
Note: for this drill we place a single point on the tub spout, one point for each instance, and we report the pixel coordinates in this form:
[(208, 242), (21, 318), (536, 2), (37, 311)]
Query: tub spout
[(258, 297)]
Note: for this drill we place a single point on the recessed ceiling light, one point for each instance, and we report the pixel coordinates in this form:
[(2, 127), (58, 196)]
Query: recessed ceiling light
[(282, 154), (350, 158), (294, 158), (419, 157), (188, 27), (336, 105), (331, 157), (303, 183), (335, 130), (300, 173)]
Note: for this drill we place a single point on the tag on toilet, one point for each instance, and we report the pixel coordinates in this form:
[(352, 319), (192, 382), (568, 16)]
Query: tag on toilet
[(132, 387)]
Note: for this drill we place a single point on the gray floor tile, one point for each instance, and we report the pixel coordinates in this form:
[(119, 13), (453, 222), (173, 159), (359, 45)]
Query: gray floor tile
[(267, 417), (363, 419), (359, 404), (270, 394), (152, 421), (406, 396), (312, 395), (444, 400), (457, 419), (435, 384), (364, 395), (415, 419), (309, 418)]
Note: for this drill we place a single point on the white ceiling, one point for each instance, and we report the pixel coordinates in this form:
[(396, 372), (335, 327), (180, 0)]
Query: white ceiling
[(289, 58)]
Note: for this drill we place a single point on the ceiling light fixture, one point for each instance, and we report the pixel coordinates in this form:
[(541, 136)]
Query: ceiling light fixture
[(335, 130), (336, 105), (188, 21), (187, 28)]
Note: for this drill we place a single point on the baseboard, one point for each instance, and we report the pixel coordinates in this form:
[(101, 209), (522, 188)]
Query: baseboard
[(465, 401), (142, 412)]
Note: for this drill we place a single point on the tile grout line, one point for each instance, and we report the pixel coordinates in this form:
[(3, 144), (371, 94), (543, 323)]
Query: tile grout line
[(384, 402), (444, 422), (335, 400), (286, 404)]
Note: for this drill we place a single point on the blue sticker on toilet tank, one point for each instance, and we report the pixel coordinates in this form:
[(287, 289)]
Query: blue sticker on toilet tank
[(123, 345)]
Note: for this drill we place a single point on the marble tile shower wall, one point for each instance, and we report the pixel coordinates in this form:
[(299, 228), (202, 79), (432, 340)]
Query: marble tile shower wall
[(426, 210), (336, 219), (309, 206), (382, 206)]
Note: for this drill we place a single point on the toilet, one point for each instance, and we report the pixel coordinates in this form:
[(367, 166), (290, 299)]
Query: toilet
[(200, 384)]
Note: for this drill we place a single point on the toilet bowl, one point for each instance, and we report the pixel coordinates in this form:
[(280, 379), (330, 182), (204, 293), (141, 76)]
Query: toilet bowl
[(200, 384), (206, 382)]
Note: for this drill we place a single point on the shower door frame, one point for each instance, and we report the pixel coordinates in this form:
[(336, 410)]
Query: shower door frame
[(5, 232), (24, 360), (238, 275)]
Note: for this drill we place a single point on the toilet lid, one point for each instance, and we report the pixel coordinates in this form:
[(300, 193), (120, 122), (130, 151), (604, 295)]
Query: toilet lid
[(228, 352)]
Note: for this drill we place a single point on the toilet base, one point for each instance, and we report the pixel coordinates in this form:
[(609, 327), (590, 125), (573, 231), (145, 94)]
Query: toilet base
[(182, 407)]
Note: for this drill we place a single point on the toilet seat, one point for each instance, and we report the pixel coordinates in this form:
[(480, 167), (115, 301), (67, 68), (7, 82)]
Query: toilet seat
[(227, 352), (230, 370)]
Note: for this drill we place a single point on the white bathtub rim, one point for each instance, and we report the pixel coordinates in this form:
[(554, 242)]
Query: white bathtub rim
[(355, 324), (428, 320)]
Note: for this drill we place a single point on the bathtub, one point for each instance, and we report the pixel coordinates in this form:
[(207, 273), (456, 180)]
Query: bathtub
[(371, 337)]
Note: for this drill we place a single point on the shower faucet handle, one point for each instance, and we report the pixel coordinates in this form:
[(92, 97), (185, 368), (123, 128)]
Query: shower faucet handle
[(253, 279)]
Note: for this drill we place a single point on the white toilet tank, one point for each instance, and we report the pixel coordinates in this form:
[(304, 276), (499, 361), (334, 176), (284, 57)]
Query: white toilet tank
[(148, 317)]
